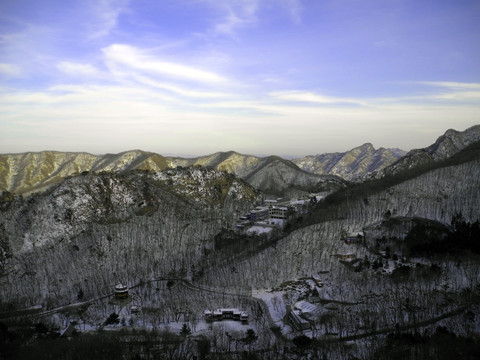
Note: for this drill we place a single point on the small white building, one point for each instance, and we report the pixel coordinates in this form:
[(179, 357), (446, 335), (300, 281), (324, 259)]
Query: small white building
[(278, 212), (226, 314), (259, 213)]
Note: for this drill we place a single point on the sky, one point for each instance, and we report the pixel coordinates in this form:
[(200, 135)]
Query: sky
[(262, 77)]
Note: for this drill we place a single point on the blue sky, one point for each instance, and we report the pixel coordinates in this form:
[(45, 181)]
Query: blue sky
[(192, 77)]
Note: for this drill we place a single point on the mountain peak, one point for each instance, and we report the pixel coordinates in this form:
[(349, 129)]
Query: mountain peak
[(352, 164), (451, 132), (366, 146), (445, 146)]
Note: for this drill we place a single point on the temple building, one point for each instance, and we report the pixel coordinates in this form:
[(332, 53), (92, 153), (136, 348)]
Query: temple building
[(121, 291)]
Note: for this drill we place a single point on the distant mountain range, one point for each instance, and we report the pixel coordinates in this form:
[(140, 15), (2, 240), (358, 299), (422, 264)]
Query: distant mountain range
[(446, 146), (30, 172), (270, 174), (350, 165)]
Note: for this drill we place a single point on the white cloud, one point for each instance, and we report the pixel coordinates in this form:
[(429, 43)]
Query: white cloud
[(139, 116), (460, 96), (135, 59), (105, 16), (311, 97), (244, 13), (454, 91), (11, 70), (233, 15), (238, 14), (452, 85), (180, 91), (77, 68)]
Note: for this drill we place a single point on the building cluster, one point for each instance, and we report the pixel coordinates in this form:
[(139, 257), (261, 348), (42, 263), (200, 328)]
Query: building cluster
[(355, 237), (303, 314), (275, 209), (226, 314)]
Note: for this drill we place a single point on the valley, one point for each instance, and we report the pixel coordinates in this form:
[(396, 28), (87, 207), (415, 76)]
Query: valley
[(381, 259)]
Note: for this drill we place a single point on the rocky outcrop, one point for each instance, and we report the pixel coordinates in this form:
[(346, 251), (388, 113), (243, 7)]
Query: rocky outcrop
[(446, 146), (351, 165)]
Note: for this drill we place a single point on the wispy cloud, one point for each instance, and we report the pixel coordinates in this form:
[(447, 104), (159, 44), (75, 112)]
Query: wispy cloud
[(230, 67), (239, 14), (179, 90), (235, 15), (105, 16), (132, 57), (77, 69), (10, 70), (454, 91), (452, 85), (311, 97)]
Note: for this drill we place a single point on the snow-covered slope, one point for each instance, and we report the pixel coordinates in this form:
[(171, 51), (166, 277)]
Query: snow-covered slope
[(270, 174), (436, 195), (94, 230), (33, 172), (350, 165), (446, 146), (232, 162), (276, 175)]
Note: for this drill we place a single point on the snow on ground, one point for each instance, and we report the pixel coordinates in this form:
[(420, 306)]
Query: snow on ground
[(236, 329), (277, 308), (259, 230), (278, 222)]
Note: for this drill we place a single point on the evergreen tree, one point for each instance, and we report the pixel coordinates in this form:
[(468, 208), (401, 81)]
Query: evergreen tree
[(185, 330), (112, 319), (250, 336)]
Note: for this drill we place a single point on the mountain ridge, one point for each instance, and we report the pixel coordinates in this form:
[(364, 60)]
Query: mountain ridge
[(352, 164), (24, 173), (446, 145), (29, 172)]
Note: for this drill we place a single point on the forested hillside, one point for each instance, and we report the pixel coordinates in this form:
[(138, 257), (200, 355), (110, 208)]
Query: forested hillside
[(436, 195), (356, 274), (93, 231)]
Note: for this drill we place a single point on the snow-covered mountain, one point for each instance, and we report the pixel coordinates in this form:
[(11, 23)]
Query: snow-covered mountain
[(350, 165), (446, 146), (349, 255), (270, 174), (33, 172), (93, 230), (195, 203), (28, 172), (437, 196)]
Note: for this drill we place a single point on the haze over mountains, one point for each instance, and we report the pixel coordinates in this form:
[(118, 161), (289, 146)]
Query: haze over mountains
[(393, 255), (27, 172)]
